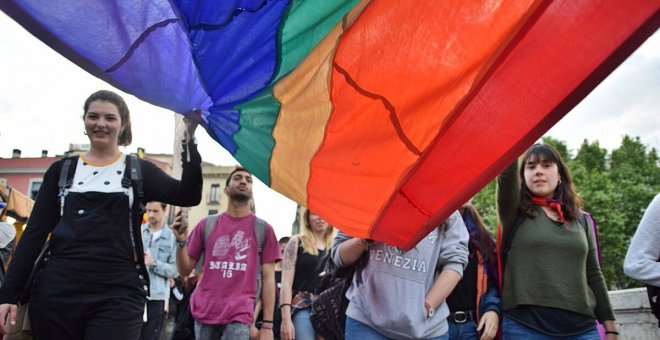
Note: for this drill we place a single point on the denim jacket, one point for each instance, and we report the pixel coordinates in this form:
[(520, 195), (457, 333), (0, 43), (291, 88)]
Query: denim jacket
[(163, 251)]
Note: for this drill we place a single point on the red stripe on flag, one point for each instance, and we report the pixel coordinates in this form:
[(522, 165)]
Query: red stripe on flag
[(568, 51)]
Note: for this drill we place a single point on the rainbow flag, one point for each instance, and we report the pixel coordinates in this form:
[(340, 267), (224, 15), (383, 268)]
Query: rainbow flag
[(381, 116)]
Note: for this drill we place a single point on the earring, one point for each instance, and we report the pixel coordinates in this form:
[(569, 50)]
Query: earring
[(85, 132)]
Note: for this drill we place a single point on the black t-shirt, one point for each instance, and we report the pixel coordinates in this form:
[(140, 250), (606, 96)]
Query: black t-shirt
[(464, 296), (551, 321), (308, 268)]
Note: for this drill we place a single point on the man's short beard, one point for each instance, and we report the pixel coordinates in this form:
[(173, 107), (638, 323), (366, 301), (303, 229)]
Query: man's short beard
[(240, 197)]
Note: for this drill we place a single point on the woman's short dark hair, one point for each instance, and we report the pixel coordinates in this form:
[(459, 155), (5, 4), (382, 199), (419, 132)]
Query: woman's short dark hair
[(564, 192), (126, 136)]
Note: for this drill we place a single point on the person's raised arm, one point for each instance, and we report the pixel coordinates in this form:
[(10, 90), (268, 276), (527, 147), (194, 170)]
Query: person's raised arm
[(184, 262), (192, 120), (347, 250), (287, 332), (508, 195), (187, 192)]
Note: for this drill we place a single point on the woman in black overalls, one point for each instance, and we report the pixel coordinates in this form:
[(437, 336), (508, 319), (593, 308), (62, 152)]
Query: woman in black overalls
[(92, 283)]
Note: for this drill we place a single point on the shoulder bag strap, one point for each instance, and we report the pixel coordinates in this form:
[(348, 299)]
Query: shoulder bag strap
[(504, 242), (209, 226), (260, 231)]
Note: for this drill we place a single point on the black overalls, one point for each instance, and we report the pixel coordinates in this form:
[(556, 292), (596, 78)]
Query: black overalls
[(90, 285)]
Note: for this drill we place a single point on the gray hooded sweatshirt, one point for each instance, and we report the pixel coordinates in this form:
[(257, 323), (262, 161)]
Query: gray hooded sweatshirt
[(390, 298)]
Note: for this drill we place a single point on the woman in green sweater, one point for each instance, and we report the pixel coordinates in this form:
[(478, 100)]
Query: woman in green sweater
[(553, 287)]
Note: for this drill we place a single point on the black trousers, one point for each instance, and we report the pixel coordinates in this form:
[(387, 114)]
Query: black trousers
[(75, 304), (155, 313)]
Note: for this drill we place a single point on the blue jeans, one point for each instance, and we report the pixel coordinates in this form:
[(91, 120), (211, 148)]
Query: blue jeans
[(232, 331), (512, 329), (302, 324), (463, 331), (356, 330)]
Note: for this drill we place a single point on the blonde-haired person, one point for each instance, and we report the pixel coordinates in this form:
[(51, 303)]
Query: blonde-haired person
[(304, 259)]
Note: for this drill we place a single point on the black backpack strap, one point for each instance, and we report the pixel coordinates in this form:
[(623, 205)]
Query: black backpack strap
[(260, 230), (507, 239), (2, 270), (66, 179), (587, 221), (133, 179), (136, 177)]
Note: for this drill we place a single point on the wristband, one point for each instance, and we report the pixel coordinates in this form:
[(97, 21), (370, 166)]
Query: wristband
[(181, 243), (430, 309), (267, 321), (612, 332), (285, 304), (267, 327)]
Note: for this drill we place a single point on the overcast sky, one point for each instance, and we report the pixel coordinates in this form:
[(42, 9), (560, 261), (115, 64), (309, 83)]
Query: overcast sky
[(41, 97)]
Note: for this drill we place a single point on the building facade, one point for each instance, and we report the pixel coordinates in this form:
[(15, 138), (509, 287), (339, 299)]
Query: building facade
[(25, 174)]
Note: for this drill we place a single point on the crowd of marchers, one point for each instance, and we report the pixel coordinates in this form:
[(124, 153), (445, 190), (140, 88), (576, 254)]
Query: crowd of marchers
[(90, 269)]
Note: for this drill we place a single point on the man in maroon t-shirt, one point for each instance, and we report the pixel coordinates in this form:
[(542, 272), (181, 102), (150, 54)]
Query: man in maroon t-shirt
[(223, 302)]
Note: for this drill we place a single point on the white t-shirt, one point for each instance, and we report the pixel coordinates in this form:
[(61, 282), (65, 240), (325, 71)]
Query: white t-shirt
[(90, 177)]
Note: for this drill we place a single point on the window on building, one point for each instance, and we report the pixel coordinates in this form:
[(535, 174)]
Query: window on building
[(214, 195), (34, 189)]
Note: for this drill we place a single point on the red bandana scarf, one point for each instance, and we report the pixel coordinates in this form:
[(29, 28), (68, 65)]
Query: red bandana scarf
[(552, 203)]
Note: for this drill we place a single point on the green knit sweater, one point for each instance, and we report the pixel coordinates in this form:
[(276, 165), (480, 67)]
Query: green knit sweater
[(549, 265)]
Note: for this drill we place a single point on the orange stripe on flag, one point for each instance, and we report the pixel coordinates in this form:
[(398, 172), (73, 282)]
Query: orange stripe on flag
[(305, 110)]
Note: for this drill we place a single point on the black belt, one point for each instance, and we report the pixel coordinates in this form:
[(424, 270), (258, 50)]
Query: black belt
[(461, 316)]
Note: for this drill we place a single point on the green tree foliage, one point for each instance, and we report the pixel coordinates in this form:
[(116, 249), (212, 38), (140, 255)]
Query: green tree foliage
[(559, 145), (592, 157), (484, 201), (616, 189)]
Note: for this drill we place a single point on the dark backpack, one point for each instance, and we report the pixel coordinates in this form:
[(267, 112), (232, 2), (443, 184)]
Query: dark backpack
[(184, 324), (328, 309)]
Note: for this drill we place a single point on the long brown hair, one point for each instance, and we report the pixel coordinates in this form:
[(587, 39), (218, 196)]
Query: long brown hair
[(484, 243), (565, 190)]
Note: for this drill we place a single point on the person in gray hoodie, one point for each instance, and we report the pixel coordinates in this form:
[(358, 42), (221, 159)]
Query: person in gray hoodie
[(401, 295)]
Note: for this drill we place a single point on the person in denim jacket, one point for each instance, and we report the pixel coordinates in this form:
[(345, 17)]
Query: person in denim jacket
[(160, 259)]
